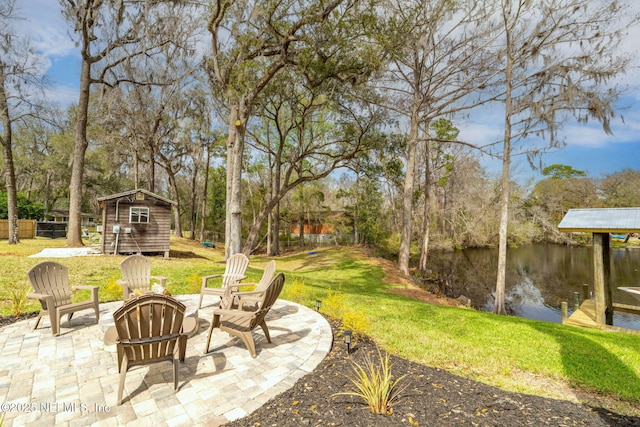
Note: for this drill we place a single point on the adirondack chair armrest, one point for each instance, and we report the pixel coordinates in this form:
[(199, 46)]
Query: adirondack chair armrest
[(232, 312), (240, 285), (161, 279), (249, 303), (92, 288), (232, 277), (126, 290), (86, 287), (248, 299), (46, 301), (36, 295), (205, 279), (248, 294)]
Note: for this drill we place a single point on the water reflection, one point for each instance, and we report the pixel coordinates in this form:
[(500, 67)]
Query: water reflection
[(538, 279)]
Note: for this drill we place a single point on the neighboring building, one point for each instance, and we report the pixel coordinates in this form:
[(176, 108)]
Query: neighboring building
[(55, 223), (136, 221), (58, 215), (320, 227)]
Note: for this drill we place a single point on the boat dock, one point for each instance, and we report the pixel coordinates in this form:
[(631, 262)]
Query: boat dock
[(585, 316)]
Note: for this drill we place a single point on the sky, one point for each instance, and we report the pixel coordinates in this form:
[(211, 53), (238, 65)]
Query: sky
[(587, 149)]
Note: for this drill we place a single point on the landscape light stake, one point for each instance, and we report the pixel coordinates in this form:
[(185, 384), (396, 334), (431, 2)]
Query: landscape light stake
[(318, 304), (347, 340)]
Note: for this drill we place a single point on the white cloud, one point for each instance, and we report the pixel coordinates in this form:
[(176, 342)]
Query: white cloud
[(62, 95), (46, 27)]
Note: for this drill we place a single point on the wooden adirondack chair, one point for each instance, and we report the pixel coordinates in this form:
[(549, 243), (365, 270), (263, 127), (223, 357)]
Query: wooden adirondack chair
[(241, 323), (136, 274), (234, 272), (50, 282), (249, 297), (149, 329)]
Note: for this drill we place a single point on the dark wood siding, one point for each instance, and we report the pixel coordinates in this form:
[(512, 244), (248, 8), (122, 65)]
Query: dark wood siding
[(150, 237)]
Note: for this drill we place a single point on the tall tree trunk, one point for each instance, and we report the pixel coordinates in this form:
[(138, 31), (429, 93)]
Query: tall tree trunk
[(74, 232), (136, 170), (274, 228), (205, 190), (9, 167), (194, 202), (356, 237), (235, 146), (499, 306), (301, 240), (407, 194), (275, 245), (177, 226), (424, 251), (151, 172)]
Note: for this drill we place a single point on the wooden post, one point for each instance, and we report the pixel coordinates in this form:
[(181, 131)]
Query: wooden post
[(585, 292), (565, 310), (576, 300), (598, 276), (602, 279), (606, 264)]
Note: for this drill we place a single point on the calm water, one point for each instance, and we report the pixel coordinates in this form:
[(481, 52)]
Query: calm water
[(539, 278)]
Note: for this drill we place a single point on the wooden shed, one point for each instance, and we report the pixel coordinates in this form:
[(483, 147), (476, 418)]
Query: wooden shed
[(601, 223), (136, 221)]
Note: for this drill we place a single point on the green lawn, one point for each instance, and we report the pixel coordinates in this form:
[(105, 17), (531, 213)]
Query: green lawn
[(513, 353)]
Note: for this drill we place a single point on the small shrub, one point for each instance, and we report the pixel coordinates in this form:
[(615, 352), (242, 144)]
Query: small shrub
[(194, 282), (19, 300), (111, 291), (335, 303), (295, 291), (354, 320), (375, 384)]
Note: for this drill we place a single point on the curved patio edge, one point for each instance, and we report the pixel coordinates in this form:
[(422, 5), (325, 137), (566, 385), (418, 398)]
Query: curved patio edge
[(73, 379)]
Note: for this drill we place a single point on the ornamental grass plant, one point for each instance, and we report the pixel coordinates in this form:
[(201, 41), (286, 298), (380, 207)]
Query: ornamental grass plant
[(375, 384)]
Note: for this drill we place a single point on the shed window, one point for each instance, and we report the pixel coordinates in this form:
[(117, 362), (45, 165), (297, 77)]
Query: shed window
[(139, 215)]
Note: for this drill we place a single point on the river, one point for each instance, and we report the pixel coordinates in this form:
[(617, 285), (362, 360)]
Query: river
[(539, 278)]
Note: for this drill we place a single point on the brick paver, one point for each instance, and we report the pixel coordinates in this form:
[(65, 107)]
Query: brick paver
[(72, 379)]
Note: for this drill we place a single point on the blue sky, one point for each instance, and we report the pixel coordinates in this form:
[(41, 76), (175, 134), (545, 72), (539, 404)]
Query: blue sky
[(588, 147)]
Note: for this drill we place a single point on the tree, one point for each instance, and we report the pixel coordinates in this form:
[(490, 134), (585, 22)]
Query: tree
[(435, 160), (621, 189), (253, 42), (438, 63), (555, 196), (558, 171), (366, 207), (27, 209), (109, 32), (309, 133), (557, 54), (42, 157), (18, 73)]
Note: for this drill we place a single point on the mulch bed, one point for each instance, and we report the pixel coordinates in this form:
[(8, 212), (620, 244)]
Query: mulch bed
[(431, 397)]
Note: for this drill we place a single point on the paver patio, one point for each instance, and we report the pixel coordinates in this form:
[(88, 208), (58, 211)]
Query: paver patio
[(72, 379)]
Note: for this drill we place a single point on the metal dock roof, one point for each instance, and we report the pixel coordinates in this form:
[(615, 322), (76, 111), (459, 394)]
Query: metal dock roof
[(602, 220)]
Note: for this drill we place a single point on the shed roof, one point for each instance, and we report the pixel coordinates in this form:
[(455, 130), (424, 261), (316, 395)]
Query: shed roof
[(133, 193), (606, 220)]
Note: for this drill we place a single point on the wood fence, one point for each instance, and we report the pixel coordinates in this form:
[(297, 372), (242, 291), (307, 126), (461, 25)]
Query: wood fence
[(26, 228)]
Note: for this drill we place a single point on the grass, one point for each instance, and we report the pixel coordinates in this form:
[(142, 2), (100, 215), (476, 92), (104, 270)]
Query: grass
[(513, 353)]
